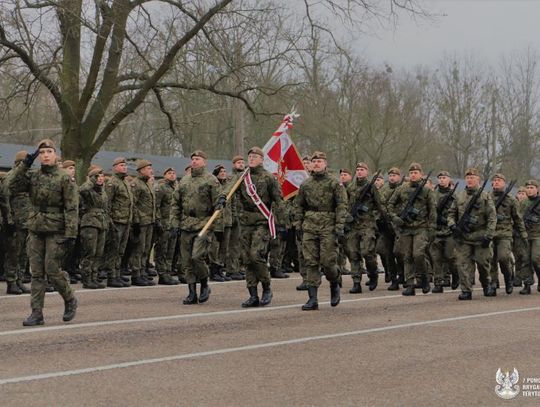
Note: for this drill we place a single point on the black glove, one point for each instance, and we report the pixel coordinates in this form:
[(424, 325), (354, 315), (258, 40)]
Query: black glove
[(456, 232), (299, 234), (486, 241), (281, 232), (136, 228), (221, 201), (30, 158), (174, 233)]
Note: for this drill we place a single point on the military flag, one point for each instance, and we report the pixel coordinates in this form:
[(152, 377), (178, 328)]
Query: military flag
[(282, 159)]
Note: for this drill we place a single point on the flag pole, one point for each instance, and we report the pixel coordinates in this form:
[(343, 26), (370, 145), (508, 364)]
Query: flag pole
[(228, 198)]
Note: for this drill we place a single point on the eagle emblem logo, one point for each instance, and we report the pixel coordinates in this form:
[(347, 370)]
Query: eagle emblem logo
[(507, 387)]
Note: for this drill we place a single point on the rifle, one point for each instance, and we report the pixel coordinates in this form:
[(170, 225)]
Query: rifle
[(409, 213), (528, 217), (467, 219), (443, 206), (506, 192), (359, 206)]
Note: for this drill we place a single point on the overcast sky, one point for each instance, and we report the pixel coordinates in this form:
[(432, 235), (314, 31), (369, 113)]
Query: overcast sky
[(485, 28)]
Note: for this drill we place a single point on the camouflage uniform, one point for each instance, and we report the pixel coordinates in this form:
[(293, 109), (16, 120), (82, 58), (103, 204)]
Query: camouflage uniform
[(93, 209), (52, 225), (392, 263), (254, 226), (6, 227), (413, 236), (473, 247), (144, 218), (121, 211), (443, 247), (508, 219), (193, 203), (530, 208), (320, 214), (16, 257), (362, 232), (235, 253), (165, 242)]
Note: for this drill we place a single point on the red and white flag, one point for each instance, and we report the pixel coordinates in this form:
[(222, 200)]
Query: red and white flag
[(282, 159)]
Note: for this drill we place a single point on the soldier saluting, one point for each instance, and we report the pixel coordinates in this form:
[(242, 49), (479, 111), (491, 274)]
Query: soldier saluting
[(52, 227), (320, 214)]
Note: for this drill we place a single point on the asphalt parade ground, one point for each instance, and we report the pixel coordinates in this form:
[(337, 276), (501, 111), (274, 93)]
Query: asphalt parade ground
[(142, 347)]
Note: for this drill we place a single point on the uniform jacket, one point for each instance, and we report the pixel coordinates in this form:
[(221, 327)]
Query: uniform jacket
[(54, 199), (144, 202), (508, 217), (321, 205), (93, 205), (194, 200), (483, 215), (120, 199), (424, 205)]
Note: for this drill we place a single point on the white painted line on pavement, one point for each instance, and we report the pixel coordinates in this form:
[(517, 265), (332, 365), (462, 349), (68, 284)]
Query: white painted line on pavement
[(74, 372), (177, 316)]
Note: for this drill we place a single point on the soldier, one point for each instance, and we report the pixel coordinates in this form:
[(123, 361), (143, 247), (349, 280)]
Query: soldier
[(165, 243), (16, 258), (531, 216), (345, 176), (194, 201), (508, 219), (144, 222), (473, 241), (361, 228), (52, 227), (235, 254), (443, 247), (393, 264), (379, 182), (72, 259), (519, 245), (222, 231), (259, 193), (121, 211), (414, 227), (93, 208), (7, 229), (320, 214)]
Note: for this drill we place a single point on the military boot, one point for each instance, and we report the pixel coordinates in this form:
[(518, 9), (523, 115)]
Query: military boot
[(87, 281), (455, 281), (437, 289), (166, 279), (410, 290), (302, 286), (488, 290), (275, 273), (517, 282), (334, 294), (356, 289), (394, 285), (96, 280), (112, 282), (22, 287), (426, 287), (13, 288), (373, 281), (526, 290), (253, 300), (205, 291), (148, 280), (35, 318), (312, 303), (266, 297), (465, 295), (192, 296), (215, 275), (70, 309)]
